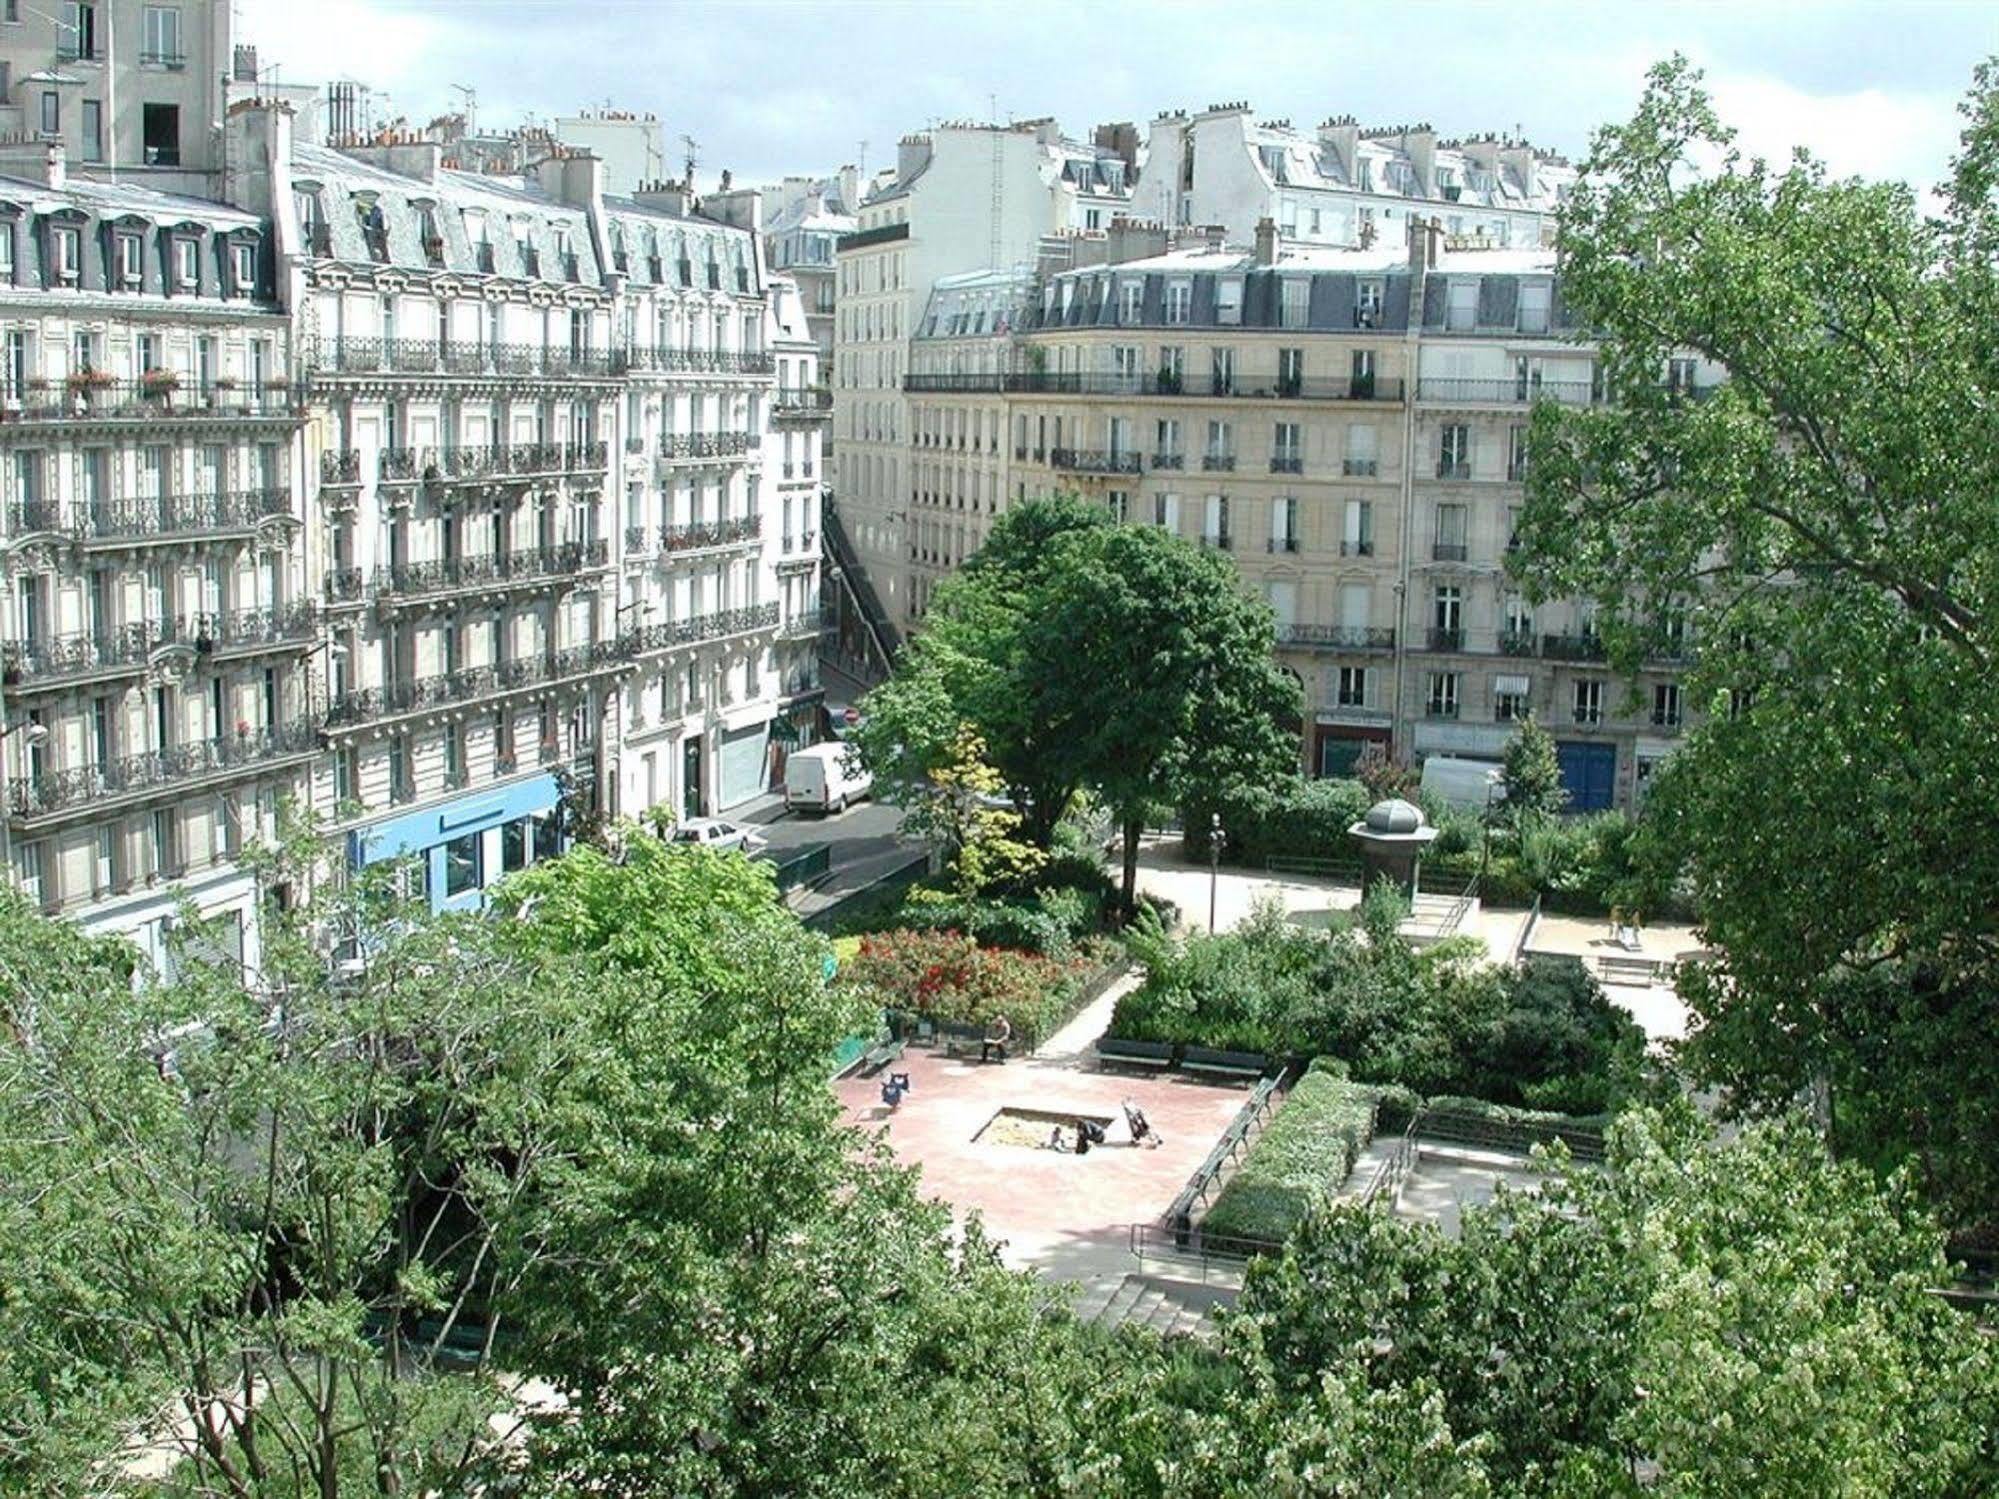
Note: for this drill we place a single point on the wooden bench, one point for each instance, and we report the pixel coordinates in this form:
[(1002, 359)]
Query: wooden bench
[(1154, 1056), (880, 1055), (1245, 1064), (965, 1041)]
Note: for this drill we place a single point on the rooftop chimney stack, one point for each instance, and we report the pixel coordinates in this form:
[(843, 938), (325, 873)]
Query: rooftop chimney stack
[(1266, 241)]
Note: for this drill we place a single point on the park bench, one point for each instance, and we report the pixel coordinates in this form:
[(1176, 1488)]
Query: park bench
[(1244, 1064), (1153, 1055), (1632, 970), (965, 1041), (880, 1055)]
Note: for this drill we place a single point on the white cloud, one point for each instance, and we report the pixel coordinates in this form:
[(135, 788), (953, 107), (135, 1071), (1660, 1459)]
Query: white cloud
[(316, 41), (1870, 133)]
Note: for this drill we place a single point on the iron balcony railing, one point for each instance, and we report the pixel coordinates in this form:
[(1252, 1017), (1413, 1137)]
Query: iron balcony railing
[(338, 466), (803, 403), (643, 359), (168, 769), (345, 585), (694, 536), (1448, 551), (161, 397), (706, 444), (1218, 462), (715, 626), (427, 356), (532, 564), (369, 704), (501, 460), (1287, 463), (1084, 461), (1241, 387), (1338, 637), (86, 653), (1360, 468), (138, 517), (1507, 392), (1453, 468), (1442, 639), (1169, 460), (1572, 647)]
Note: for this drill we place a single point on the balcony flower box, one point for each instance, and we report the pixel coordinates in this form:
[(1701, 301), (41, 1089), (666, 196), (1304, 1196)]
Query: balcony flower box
[(159, 385)]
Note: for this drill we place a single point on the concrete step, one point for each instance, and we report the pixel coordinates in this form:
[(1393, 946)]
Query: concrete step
[(1166, 1307)]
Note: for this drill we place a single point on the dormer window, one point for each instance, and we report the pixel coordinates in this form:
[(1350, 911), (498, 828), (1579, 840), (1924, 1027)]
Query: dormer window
[(131, 260), (431, 234), (187, 263), (374, 228), (243, 269), (66, 253)]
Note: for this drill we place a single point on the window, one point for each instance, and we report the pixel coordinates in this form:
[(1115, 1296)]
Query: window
[(1589, 701), (461, 865), (1510, 700), (1228, 301), (149, 352), (1516, 452), (1360, 461), (1179, 294), (1360, 374), (1222, 371), (1450, 539), (514, 846), (1221, 446), (187, 262), (1443, 695), (1293, 311), (1666, 705), (1166, 511), (1215, 530), (1534, 299), (1132, 301), (131, 259), (93, 130), (6, 253), (243, 269), (1119, 504), (67, 245), (1447, 618), (1166, 451), (1454, 451), (1357, 540), (1287, 449), (1172, 368), (1461, 311), (160, 124), (1351, 689), (1367, 305), (51, 113), (1290, 371), (162, 42), (1124, 361), (166, 843), (1284, 525)]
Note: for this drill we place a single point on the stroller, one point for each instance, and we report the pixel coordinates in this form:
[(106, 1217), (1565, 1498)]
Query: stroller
[(1142, 1132)]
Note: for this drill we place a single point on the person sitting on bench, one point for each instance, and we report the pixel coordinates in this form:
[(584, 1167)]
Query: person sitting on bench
[(997, 1040), (1142, 1132)]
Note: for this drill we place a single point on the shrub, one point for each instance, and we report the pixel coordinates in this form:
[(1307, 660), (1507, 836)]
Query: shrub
[(1299, 1162), (949, 978), (1299, 819)]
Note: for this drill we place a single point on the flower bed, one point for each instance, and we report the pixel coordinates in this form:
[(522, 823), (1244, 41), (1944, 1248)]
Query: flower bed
[(948, 978)]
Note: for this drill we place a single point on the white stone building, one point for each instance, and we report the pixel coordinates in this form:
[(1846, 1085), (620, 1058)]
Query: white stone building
[(1345, 184), (159, 615)]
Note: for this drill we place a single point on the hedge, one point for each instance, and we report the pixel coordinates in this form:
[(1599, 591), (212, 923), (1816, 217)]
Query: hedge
[(1298, 1163)]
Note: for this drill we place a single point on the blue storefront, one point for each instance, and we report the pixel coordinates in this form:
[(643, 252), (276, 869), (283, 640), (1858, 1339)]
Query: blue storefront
[(465, 844)]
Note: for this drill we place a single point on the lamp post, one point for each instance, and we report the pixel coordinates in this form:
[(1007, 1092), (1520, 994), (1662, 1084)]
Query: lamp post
[(1214, 865)]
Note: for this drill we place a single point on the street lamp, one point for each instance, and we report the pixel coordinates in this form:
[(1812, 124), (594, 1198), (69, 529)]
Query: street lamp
[(1214, 865)]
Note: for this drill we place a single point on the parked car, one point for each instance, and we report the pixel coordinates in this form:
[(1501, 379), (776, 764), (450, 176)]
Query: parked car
[(713, 832), (824, 778)]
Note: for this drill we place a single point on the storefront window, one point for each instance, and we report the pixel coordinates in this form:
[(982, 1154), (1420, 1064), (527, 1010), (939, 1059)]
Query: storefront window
[(514, 846), (547, 838), (461, 865)]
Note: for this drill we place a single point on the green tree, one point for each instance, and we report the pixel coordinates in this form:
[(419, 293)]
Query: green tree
[(958, 812), (1822, 521), (1531, 774)]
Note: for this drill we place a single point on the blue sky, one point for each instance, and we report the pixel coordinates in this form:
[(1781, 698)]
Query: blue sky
[(770, 86)]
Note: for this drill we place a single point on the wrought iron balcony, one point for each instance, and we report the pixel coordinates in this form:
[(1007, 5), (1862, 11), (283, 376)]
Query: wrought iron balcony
[(1084, 461), (643, 359), (1363, 547), (1453, 468), (1572, 647), (799, 627), (1446, 639), (427, 356), (173, 769), (706, 444), (160, 396), (699, 535), (1448, 551), (469, 684), (1287, 463), (1161, 460), (803, 405), (509, 460), (1337, 637), (398, 463), (169, 516), (531, 565), (1509, 392), (1218, 463), (1360, 468), (1517, 643), (59, 658), (716, 626), (345, 585), (1282, 544), (340, 467), (27, 517), (1441, 707), (1239, 387)]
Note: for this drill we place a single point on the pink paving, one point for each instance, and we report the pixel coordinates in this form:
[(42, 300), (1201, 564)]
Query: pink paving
[(1062, 1214)]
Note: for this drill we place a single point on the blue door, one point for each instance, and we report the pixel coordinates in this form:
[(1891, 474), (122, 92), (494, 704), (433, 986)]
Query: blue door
[(1589, 774)]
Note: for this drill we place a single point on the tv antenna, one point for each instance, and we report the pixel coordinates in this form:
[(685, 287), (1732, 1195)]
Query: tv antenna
[(470, 96), (693, 154)]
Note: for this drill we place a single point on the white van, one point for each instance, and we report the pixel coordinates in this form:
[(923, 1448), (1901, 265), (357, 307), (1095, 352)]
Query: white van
[(1470, 785), (824, 778)]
